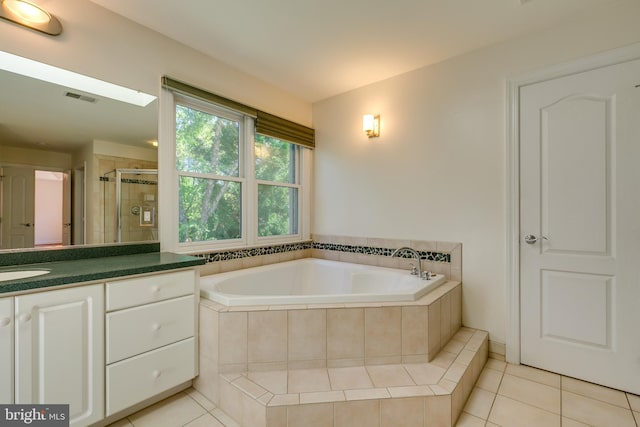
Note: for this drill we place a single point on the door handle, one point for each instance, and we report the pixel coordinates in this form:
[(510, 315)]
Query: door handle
[(531, 239), (26, 224)]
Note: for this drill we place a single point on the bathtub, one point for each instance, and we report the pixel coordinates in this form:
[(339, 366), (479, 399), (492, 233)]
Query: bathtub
[(314, 281)]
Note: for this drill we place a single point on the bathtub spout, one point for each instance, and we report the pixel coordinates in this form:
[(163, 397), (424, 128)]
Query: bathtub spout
[(415, 254)]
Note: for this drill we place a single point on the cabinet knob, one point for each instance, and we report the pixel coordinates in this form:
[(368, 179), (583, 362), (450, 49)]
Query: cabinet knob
[(156, 326), (24, 318), (156, 374), (5, 321), (155, 289)]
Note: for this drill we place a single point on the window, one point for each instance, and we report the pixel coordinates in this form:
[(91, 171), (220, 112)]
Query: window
[(277, 180), (234, 187), (209, 183)]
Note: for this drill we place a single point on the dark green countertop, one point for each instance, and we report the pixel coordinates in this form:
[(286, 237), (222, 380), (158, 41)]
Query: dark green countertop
[(94, 269)]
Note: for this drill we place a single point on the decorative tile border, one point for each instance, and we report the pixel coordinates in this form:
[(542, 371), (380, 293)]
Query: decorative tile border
[(130, 181), (370, 250), (251, 252), (290, 247)]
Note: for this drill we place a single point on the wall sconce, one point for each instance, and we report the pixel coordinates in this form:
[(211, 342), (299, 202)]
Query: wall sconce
[(371, 125), (31, 16)]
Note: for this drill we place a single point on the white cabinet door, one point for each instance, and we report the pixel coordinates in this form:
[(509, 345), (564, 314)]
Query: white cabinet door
[(6, 350), (60, 351)]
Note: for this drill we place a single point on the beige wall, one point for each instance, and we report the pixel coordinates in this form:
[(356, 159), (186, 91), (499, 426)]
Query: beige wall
[(26, 156), (104, 45), (437, 172)]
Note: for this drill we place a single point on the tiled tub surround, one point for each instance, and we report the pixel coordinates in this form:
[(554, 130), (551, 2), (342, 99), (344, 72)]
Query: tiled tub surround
[(260, 364), (438, 257), (341, 364)]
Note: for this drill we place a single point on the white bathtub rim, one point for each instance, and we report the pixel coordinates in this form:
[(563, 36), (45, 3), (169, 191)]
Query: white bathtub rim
[(208, 282)]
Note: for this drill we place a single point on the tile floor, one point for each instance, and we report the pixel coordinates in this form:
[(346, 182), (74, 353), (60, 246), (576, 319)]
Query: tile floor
[(505, 396)]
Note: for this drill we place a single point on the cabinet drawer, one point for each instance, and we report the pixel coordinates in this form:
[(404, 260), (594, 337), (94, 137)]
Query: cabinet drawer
[(141, 377), (147, 327), (143, 290)]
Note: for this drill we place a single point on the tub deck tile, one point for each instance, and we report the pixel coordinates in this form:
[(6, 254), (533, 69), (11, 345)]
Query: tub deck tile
[(441, 390), (426, 299), (387, 355)]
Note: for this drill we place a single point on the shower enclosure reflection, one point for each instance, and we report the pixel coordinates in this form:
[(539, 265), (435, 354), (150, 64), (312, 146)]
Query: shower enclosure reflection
[(130, 205)]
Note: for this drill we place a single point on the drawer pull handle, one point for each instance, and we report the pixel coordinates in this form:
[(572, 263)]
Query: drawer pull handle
[(156, 374), (5, 321), (24, 318), (156, 326)]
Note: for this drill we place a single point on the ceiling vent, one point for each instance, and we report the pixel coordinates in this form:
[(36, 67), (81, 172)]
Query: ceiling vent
[(81, 97)]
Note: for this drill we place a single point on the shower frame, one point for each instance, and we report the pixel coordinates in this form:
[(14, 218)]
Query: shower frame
[(118, 194)]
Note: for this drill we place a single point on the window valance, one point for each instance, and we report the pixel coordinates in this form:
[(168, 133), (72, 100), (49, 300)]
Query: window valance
[(266, 124)]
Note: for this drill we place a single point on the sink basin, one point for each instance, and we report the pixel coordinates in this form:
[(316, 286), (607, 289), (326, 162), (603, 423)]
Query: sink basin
[(23, 274)]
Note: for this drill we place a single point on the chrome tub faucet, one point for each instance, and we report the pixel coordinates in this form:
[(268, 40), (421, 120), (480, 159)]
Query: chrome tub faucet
[(423, 275)]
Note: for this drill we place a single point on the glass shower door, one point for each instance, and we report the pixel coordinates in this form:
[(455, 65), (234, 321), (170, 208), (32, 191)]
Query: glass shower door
[(131, 197)]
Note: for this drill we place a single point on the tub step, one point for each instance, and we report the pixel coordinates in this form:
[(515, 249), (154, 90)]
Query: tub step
[(426, 394)]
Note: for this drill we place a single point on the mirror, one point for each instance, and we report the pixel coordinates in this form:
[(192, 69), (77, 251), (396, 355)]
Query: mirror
[(77, 168)]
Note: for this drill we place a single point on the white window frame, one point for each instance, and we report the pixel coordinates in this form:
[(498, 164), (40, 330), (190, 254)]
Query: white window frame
[(298, 154), (168, 181)]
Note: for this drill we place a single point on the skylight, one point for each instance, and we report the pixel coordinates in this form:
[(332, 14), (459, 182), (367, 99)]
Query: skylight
[(48, 73)]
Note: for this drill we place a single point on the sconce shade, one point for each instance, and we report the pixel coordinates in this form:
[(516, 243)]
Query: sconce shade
[(30, 15), (371, 125)]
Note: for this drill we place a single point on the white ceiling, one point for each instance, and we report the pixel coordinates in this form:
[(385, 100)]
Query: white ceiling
[(319, 48), (311, 48), (37, 114)]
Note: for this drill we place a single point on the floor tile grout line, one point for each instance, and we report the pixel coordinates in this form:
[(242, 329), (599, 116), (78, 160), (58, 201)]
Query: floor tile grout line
[(409, 375), (184, 392), (529, 403), (584, 394), (603, 402), (562, 400), (493, 402), (593, 398), (198, 403), (633, 414), (531, 379)]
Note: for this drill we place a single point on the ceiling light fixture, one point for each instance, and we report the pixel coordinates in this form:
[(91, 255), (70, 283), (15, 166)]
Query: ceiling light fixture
[(371, 125), (48, 73), (30, 15)]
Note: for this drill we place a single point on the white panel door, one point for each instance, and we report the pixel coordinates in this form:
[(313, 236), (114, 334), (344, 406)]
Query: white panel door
[(580, 225), (60, 351), (18, 195)]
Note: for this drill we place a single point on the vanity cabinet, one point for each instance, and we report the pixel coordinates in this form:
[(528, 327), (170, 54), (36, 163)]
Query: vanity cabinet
[(6, 350), (150, 336), (59, 350), (102, 347)]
